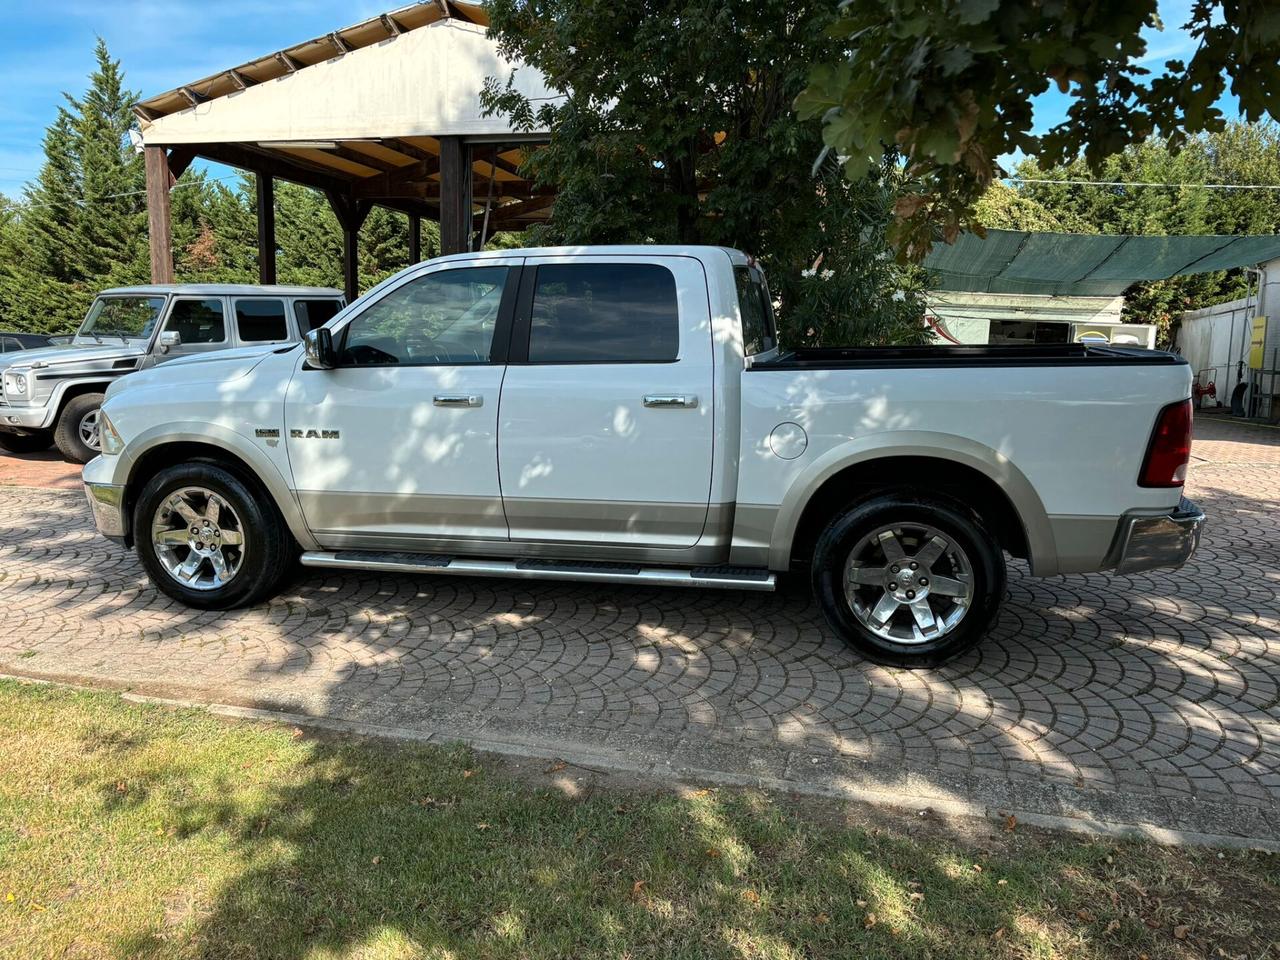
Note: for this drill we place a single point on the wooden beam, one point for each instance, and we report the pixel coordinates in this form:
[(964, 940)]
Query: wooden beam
[(351, 213), (179, 159), (415, 238), (455, 195), (410, 150), (392, 24), (195, 99), (159, 223), (241, 81), (444, 9), (290, 64), (266, 229), (521, 210), (365, 159), (340, 43), (259, 161)]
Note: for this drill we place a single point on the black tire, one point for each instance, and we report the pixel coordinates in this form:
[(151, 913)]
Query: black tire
[(268, 552), (67, 433), (26, 442), (854, 529)]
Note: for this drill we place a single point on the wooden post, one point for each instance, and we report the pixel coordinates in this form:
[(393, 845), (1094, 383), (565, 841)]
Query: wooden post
[(415, 238), (159, 223), (266, 228), (455, 195), (351, 213)]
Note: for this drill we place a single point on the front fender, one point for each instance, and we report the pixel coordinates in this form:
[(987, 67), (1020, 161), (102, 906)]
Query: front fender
[(234, 443), (918, 443)]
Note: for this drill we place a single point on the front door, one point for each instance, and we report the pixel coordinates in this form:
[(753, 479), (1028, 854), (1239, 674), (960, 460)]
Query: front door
[(397, 447), (201, 325), (607, 416)]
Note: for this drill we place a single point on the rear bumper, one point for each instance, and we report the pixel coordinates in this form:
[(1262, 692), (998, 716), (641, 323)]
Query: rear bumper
[(1147, 542)]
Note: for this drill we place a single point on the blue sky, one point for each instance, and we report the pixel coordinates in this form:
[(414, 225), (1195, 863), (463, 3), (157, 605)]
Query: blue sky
[(47, 47)]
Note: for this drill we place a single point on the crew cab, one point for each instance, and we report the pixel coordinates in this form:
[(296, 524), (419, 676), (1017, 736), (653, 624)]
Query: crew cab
[(625, 415), (51, 395)]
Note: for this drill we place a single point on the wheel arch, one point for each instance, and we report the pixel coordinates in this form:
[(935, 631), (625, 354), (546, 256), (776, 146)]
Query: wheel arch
[(211, 443), (957, 466)]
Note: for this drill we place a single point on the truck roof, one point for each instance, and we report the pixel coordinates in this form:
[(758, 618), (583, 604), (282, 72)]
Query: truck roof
[(227, 289), (736, 257)]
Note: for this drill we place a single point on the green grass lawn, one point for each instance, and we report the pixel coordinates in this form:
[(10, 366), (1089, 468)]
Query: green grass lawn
[(136, 831)]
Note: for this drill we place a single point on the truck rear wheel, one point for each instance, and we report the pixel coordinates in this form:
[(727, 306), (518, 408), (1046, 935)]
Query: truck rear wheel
[(26, 442), (77, 434), (909, 581), (209, 539)]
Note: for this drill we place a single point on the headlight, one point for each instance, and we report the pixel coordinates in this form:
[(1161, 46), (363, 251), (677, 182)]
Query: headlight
[(108, 437), (17, 386)]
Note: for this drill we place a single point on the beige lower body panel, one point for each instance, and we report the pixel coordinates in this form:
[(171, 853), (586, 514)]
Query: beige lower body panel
[(664, 533), (1082, 543)]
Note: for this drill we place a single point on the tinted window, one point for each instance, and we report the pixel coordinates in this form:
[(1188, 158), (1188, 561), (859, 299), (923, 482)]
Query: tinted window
[(198, 321), (9, 344), (261, 320), (446, 317), (604, 313), (757, 312), (315, 313)]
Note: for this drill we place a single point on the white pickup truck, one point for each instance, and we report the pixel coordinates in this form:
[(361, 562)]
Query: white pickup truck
[(624, 415)]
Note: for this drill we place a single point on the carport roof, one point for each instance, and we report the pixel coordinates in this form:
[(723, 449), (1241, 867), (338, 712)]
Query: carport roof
[(1058, 264)]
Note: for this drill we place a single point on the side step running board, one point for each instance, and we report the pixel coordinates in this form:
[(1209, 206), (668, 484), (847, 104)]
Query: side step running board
[(725, 578)]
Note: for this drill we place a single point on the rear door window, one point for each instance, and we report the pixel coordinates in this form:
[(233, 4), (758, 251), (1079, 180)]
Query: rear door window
[(261, 321), (604, 313)]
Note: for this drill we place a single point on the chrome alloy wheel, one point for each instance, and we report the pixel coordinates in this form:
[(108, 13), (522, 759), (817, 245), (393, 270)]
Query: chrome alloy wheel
[(198, 538), (88, 430), (908, 583)]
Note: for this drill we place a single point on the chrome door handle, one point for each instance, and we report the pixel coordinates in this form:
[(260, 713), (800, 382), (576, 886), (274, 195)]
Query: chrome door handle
[(670, 400), (458, 400)]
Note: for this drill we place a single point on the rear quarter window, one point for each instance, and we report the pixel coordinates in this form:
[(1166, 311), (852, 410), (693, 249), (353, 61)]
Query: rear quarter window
[(758, 332)]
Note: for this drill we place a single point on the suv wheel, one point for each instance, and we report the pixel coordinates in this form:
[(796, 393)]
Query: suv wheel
[(909, 581), (210, 540), (77, 432), (26, 442)]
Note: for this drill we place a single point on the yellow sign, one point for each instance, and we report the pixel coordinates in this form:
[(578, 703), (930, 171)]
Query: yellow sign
[(1256, 342)]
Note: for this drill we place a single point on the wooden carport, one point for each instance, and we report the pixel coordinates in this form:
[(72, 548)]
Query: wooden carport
[(385, 112)]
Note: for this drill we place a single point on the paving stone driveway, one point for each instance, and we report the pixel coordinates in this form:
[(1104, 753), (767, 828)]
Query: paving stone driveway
[(1144, 699)]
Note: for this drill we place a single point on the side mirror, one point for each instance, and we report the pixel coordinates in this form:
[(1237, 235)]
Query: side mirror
[(169, 339), (318, 344)]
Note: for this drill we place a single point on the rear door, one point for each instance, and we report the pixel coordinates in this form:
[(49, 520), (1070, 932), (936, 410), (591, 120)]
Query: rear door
[(605, 432)]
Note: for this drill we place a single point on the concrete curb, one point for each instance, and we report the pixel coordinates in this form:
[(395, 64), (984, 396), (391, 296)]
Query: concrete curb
[(664, 771)]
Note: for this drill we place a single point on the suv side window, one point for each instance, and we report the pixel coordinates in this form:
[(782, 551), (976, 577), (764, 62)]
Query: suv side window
[(604, 313), (261, 321), (315, 313), (447, 317), (199, 320)]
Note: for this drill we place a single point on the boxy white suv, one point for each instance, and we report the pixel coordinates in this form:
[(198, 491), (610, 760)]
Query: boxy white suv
[(52, 394)]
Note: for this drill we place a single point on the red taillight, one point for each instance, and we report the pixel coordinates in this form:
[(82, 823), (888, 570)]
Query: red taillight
[(1169, 451)]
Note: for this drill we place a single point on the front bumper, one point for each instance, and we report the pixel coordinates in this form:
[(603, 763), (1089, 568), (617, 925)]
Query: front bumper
[(21, 419), (1145, 543), (107, 502)]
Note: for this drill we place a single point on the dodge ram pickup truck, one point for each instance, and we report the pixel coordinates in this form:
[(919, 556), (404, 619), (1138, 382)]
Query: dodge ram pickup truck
[(625, 415), (50, 396)]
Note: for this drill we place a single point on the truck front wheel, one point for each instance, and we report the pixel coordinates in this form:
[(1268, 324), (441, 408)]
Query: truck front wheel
[(909, 580), (209, 539)]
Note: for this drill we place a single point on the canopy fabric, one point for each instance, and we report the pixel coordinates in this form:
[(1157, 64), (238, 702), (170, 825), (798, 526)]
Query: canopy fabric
[(1057, 264), (423, 82)]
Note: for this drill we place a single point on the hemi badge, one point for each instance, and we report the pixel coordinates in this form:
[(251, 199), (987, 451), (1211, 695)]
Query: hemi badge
[(272, 434)]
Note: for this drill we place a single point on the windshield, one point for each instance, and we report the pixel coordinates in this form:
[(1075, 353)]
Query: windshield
[(122, 317)]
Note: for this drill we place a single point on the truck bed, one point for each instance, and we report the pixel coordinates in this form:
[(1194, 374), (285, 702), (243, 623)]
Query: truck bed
[(1040, 355)]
